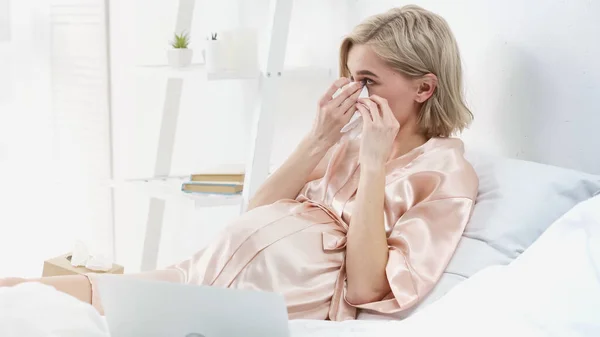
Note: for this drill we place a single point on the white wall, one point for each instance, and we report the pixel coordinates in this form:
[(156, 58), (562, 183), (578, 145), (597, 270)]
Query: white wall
[(532, 75), (4, 20)]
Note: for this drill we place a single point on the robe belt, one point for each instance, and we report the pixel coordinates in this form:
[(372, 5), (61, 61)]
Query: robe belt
[(339, 309)]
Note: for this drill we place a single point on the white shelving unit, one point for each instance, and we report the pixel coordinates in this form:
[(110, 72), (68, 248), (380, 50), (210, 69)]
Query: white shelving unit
[(162, 186)]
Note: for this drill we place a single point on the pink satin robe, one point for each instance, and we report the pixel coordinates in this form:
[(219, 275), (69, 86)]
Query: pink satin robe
[(297, 247)]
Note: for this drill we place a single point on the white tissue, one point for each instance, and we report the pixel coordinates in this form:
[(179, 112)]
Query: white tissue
[(81, 257), (356, 120), (79, 254), (99, 263)]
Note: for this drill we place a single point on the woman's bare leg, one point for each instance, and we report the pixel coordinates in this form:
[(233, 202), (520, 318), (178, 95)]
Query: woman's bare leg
[(77, 286), (84, 288)]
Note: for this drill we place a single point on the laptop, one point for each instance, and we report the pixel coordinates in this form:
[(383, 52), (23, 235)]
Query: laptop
[(135, 307)]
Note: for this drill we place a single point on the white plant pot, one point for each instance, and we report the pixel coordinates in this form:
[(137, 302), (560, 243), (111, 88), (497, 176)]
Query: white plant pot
[(215, 56), (179, 58)]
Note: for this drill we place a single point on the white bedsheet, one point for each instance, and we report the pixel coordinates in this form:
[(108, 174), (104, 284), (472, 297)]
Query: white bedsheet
[(553, 289)]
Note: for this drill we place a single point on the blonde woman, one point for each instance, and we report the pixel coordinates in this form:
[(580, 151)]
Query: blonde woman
[(364, 223)]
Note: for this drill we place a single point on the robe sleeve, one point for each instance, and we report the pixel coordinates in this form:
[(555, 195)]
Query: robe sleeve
[(420, 246)]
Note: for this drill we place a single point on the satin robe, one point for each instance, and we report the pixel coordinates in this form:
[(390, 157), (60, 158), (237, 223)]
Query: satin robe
[(297, 247)]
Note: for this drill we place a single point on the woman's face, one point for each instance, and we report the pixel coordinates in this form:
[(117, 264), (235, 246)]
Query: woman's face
[(382, 80)]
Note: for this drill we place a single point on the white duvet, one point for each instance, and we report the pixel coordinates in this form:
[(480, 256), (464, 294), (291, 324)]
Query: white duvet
[(552, 289), (36, 310)]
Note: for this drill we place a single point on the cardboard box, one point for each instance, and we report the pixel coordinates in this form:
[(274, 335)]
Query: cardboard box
[(61, 265)]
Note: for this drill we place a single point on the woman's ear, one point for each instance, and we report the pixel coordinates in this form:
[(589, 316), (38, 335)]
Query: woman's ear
[(426, 87)]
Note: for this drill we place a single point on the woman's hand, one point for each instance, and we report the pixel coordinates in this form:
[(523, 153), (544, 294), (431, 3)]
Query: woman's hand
[(380, 128), (367, 247), (336, 112)]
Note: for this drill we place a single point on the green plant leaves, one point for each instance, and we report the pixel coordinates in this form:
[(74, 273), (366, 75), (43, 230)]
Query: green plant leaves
[(181, 41)]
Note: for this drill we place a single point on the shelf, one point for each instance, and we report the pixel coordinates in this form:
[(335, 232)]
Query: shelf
[(198, 70), (169, 188)]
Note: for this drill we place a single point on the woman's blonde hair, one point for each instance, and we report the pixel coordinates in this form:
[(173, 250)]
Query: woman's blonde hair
[(416, 42)]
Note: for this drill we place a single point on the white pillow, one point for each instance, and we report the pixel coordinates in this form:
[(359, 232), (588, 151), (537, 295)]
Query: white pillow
[(517, 202)]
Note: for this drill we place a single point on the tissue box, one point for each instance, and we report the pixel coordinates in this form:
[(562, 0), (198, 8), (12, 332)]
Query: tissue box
[(61, 265)]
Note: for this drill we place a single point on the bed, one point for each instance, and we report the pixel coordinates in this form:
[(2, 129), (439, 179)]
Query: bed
[(552, 289)]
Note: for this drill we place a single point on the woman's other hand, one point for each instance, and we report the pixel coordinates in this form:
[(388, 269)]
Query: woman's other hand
[(12, 281), (380, 128), (309, 161), (336, 112)]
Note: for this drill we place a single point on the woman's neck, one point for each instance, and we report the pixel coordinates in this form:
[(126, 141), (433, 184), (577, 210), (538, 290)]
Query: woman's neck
[(407, 140)]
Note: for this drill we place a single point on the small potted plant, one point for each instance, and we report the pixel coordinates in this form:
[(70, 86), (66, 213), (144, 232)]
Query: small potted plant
[(180, 56)]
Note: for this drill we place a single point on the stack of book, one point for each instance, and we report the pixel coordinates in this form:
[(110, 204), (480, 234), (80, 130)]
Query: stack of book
[(215, 183)]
